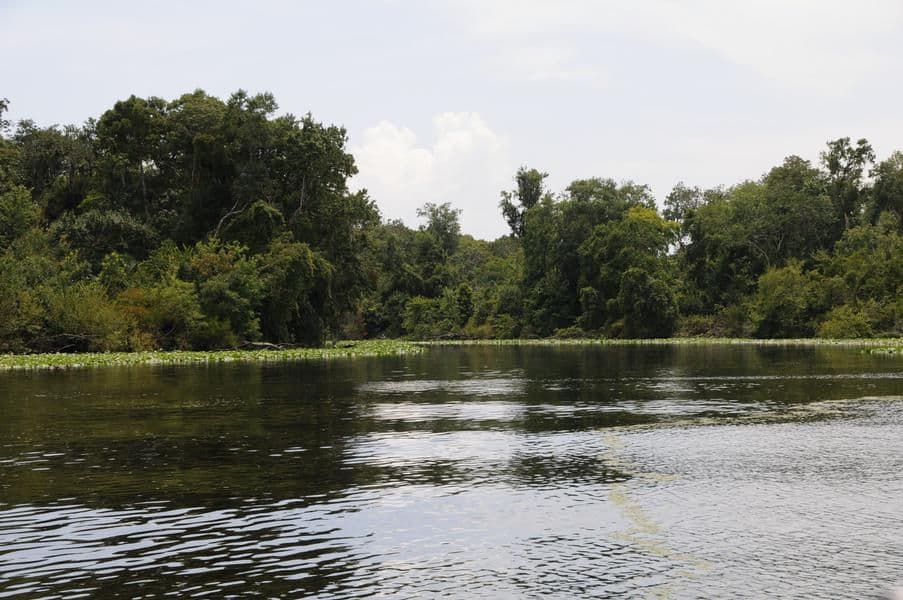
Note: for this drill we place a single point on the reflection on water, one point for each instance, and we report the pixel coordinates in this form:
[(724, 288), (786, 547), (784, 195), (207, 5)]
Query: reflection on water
[(662, 472)]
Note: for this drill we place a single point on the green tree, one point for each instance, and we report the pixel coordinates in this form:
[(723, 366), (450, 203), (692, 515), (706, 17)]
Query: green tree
[(229, 290), (530, 189), (18, 213), (638, 244), (735, 237), (4, 122), (647, 303), (782, 306), (130, 144), (442, 222), (846, 164), (296, 303), (887, 189)]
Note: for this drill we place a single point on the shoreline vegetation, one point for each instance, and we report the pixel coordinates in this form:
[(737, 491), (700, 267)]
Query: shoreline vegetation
[(201, 225), (359, 349), (676, 341), (379, 348)]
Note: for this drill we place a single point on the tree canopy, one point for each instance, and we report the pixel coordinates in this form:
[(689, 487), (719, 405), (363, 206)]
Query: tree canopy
[(207, 223)]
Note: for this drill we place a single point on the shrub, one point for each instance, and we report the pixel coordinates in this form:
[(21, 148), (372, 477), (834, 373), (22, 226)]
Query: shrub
[(18, 213), (698, 326), (648, 304), (570, 333), (80, 317), (169, 312), (783, 304), (421, 318), (845, 322)]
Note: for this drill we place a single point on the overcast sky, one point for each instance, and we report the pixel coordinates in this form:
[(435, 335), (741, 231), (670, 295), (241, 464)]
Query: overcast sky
[(443, 100)]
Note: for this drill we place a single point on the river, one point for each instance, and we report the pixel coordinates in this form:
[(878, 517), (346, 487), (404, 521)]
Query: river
[(467, 472)]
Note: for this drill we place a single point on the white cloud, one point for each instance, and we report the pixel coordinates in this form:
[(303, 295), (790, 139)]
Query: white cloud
[(813, 45), (466, 164), (549, 63)]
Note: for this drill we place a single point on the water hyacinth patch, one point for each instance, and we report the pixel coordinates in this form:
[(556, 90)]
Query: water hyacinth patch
[(376, 348), (887, 350), (372, 348)]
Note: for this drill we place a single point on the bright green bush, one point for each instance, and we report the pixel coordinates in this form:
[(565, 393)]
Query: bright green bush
[(168, 313), (80, 317), (846, 322), (782, 306)]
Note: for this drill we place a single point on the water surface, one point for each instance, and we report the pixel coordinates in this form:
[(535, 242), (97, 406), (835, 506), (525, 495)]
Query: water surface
[(504, 472)]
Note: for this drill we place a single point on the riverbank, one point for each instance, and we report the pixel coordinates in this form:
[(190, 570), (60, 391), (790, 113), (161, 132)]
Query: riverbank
[(369, 348), (886, 345)]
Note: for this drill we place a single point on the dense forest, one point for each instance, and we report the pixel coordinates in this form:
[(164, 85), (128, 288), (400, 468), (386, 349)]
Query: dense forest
[(203, 223)]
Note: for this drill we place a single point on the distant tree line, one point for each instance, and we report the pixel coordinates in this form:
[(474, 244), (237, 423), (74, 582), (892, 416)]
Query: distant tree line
[(203, 223)]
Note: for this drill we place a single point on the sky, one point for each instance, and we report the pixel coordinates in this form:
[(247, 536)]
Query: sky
[(443, 100)]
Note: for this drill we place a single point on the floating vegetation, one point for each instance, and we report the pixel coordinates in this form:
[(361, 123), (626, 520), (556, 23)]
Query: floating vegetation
[(887, 351), (113, 359), (373, 348)]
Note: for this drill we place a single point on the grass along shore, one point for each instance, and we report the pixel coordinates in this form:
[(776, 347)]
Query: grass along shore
[(879, 346), (374, 348), (367, 348)]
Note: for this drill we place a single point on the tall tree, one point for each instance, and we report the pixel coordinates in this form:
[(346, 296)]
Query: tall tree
[(530, 189), (845, 164), (887, 189), (130, 137), (442, 222)]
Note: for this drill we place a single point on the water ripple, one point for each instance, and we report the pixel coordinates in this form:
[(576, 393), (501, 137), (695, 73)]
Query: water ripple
[(474, 472)]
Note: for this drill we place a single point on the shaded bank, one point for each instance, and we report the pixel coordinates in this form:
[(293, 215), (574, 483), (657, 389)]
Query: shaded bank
[(376, 348), (883, 343)]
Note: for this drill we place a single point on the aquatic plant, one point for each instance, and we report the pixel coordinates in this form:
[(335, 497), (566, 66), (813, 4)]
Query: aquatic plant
[(887, 350), (113, 359)]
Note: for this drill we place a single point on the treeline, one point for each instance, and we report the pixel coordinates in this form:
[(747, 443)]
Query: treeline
[(202, 223)]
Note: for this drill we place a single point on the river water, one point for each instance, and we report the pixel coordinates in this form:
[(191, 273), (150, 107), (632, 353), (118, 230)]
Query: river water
[(472, 472)]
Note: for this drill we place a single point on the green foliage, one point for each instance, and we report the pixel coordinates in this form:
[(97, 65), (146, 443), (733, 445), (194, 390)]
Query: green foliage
[(167, 315), (736, 237), (783, 303), (887, 189), (18, 213), (358, 349), (515, 204), (630, 274), (442, 224), (432, 318), (682, 201), (4, 123), (229, 291), (139, 193), (696, 326), (845, 165), (647, 304), (115, 273), (80, 317), (868, 260), (846, 322), (296, 292), (570, 333), (96, 233), (208, 223), (256, 226)]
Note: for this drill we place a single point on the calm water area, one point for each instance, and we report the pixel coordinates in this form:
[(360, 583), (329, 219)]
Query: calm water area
[(464, 472)]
